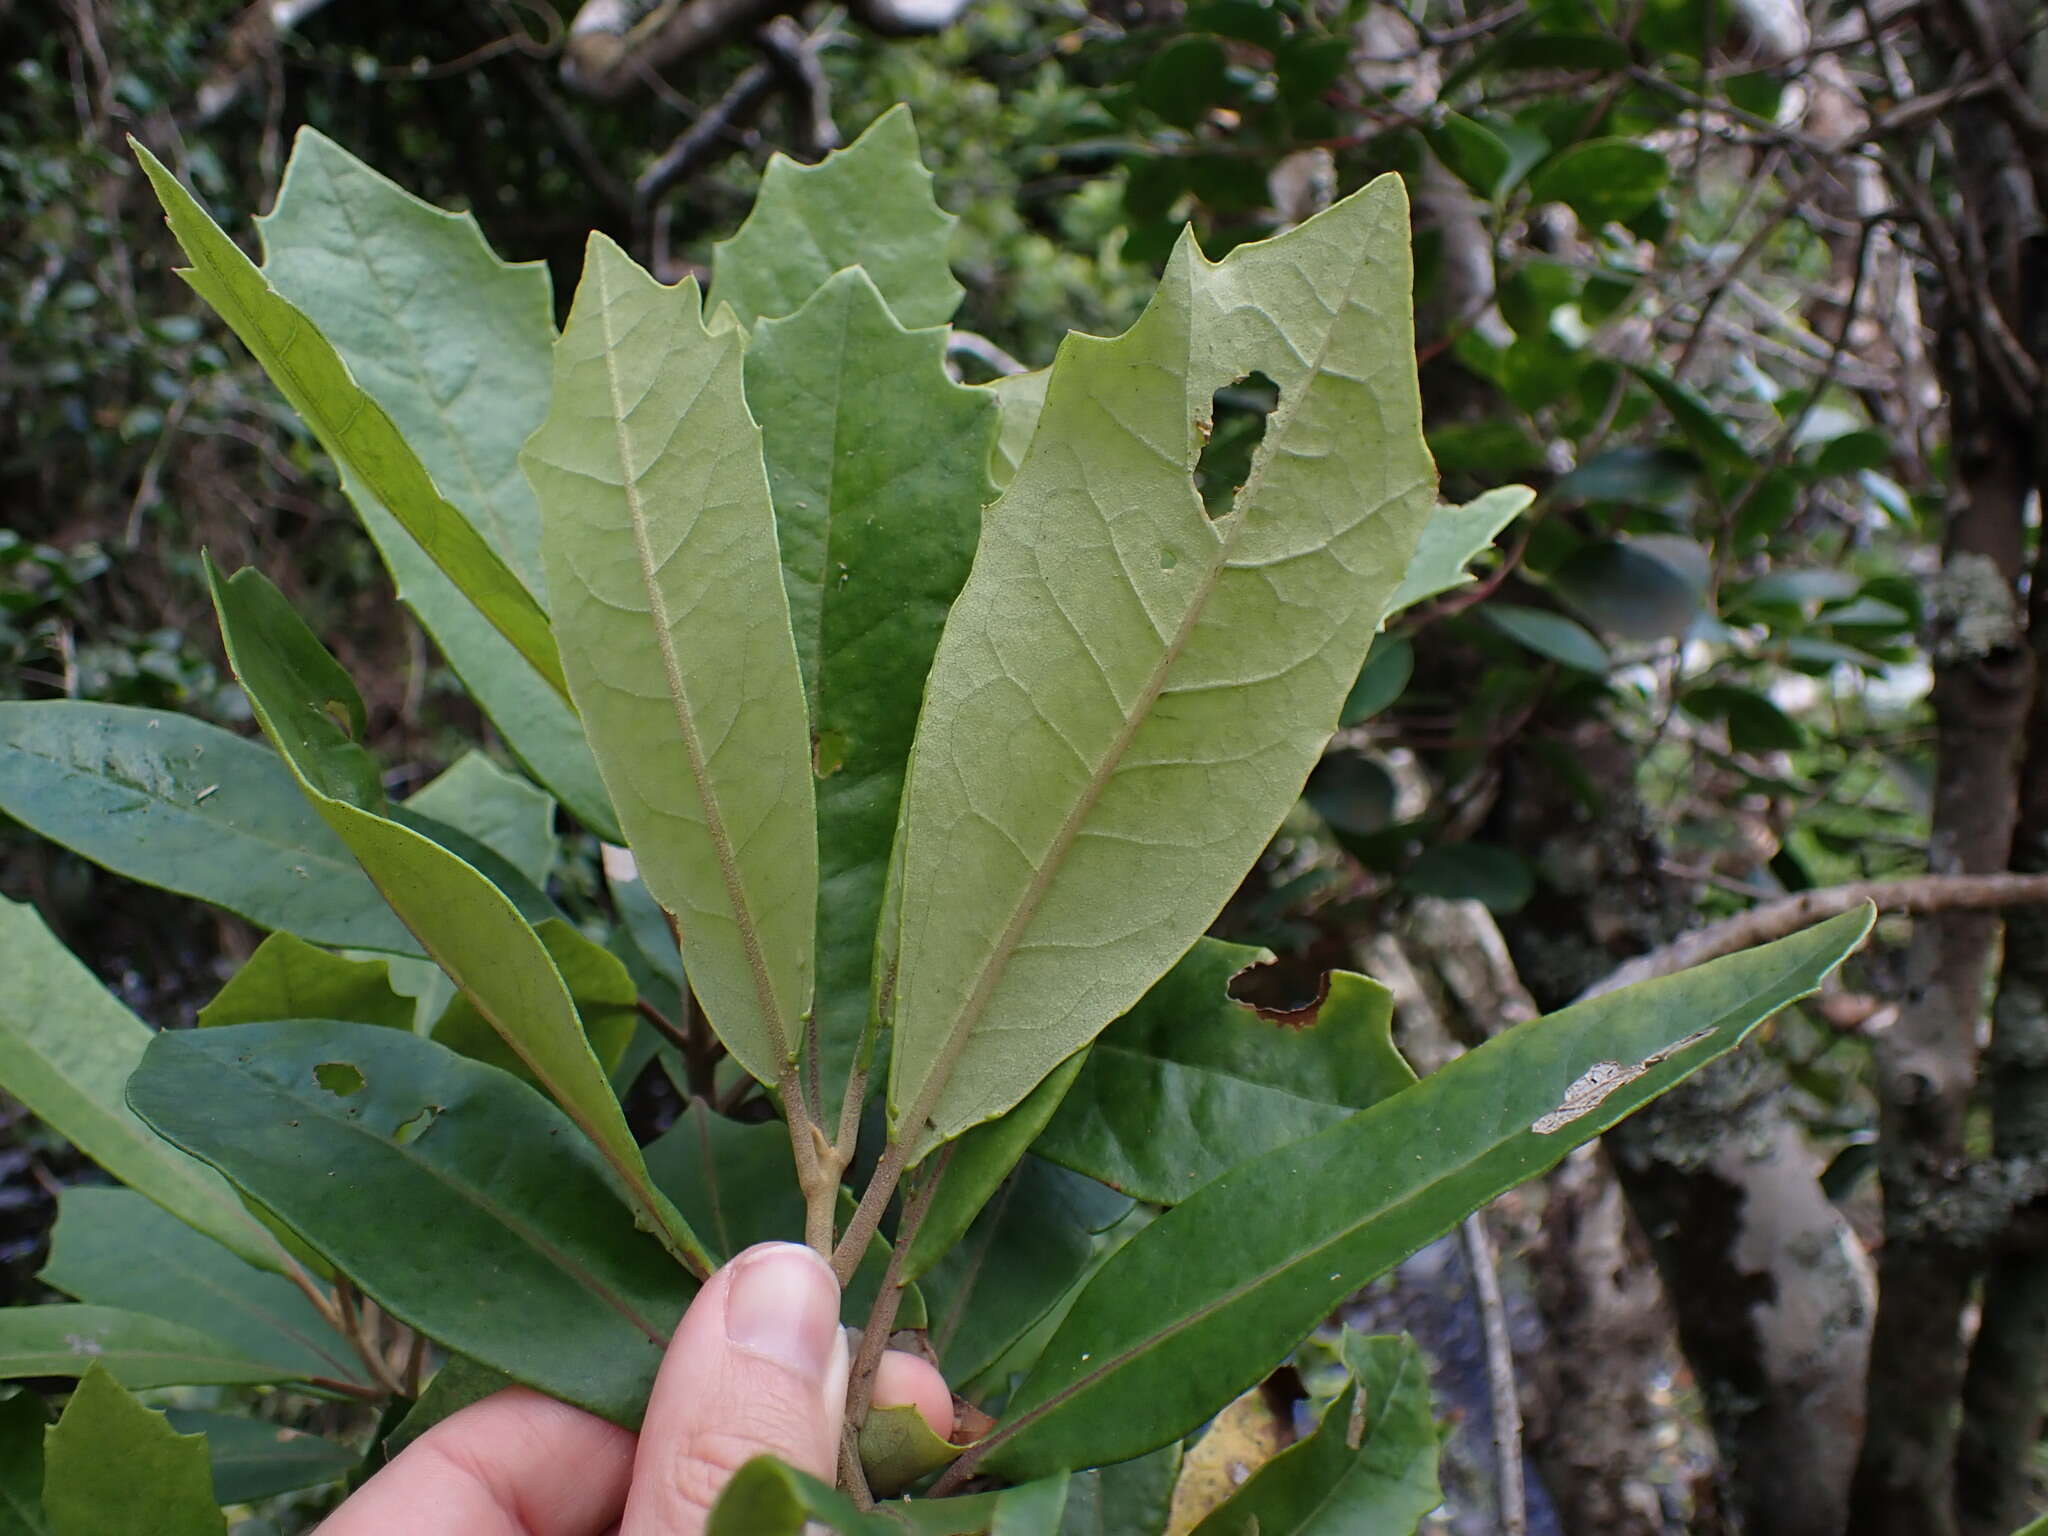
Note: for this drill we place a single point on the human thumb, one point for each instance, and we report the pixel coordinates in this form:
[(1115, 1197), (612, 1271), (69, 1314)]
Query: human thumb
[(757, 1367)]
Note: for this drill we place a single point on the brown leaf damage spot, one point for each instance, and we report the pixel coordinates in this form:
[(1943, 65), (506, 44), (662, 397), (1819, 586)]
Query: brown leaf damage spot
[(1271, 989)]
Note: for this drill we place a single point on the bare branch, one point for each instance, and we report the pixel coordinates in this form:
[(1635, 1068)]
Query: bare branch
[(1500, 1376), (1760, 925), (790, 64), (616, 46), (794, 58)]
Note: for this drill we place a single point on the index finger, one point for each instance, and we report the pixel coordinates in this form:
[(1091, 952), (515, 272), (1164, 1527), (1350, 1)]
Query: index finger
[(515, 1464)]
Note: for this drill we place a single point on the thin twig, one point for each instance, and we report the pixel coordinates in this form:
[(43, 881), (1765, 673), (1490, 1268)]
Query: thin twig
[(867, 1218), (349, 1389), (1500, 1375), (874, 1339), (788, 64), (1760, 925), (853, 1477), (323, 1303), (353, 1329), (817, 1166)]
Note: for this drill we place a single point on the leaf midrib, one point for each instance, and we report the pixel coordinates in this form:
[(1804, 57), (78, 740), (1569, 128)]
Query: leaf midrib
[(1004, 1433), (1033, 896), (672, 673)]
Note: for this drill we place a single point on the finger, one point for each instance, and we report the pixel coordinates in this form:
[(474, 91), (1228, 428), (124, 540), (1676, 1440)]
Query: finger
[(757, 1367), (515, 1464), (903, 1380)]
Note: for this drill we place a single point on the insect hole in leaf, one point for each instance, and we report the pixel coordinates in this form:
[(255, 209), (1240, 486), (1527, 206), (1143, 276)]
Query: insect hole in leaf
[(1236, 427)]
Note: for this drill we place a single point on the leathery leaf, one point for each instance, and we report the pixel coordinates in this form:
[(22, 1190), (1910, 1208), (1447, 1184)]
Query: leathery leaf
[(471, 929), (460, 1199), (1178, 1322), (876, 463), (349, 423), (659, 539), (455, 344), (1139, 712)]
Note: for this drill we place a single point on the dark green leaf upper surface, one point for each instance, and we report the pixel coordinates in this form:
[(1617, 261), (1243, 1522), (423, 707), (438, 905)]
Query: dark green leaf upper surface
[(1185, 1317), (140, 1350), (1131, 1498), (977, 1164), (877, 463), (1191, 1082), (112, 1248), (22, 1422), (435, 878), (177, 803), (1025, 1250), (253, 1459), (534, 1264)]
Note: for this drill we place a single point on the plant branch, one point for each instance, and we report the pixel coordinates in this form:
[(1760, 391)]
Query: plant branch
[(789, 63), (874, 1339), (1760, 925), (616, 45), (1500, 1375), (354, 1327), (818, 1165), (867, 1217)]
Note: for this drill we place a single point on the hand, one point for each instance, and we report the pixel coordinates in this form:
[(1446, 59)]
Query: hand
[(758, 1365)]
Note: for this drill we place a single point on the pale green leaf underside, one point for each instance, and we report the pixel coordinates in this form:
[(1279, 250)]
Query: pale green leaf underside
[(868, 205), (67, 1046), (455, 345), (351, 425), (538, 724), (113, 1248), (659, 537), (452, 342), (1453, 538), (110, 1464), (1129, 695)]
